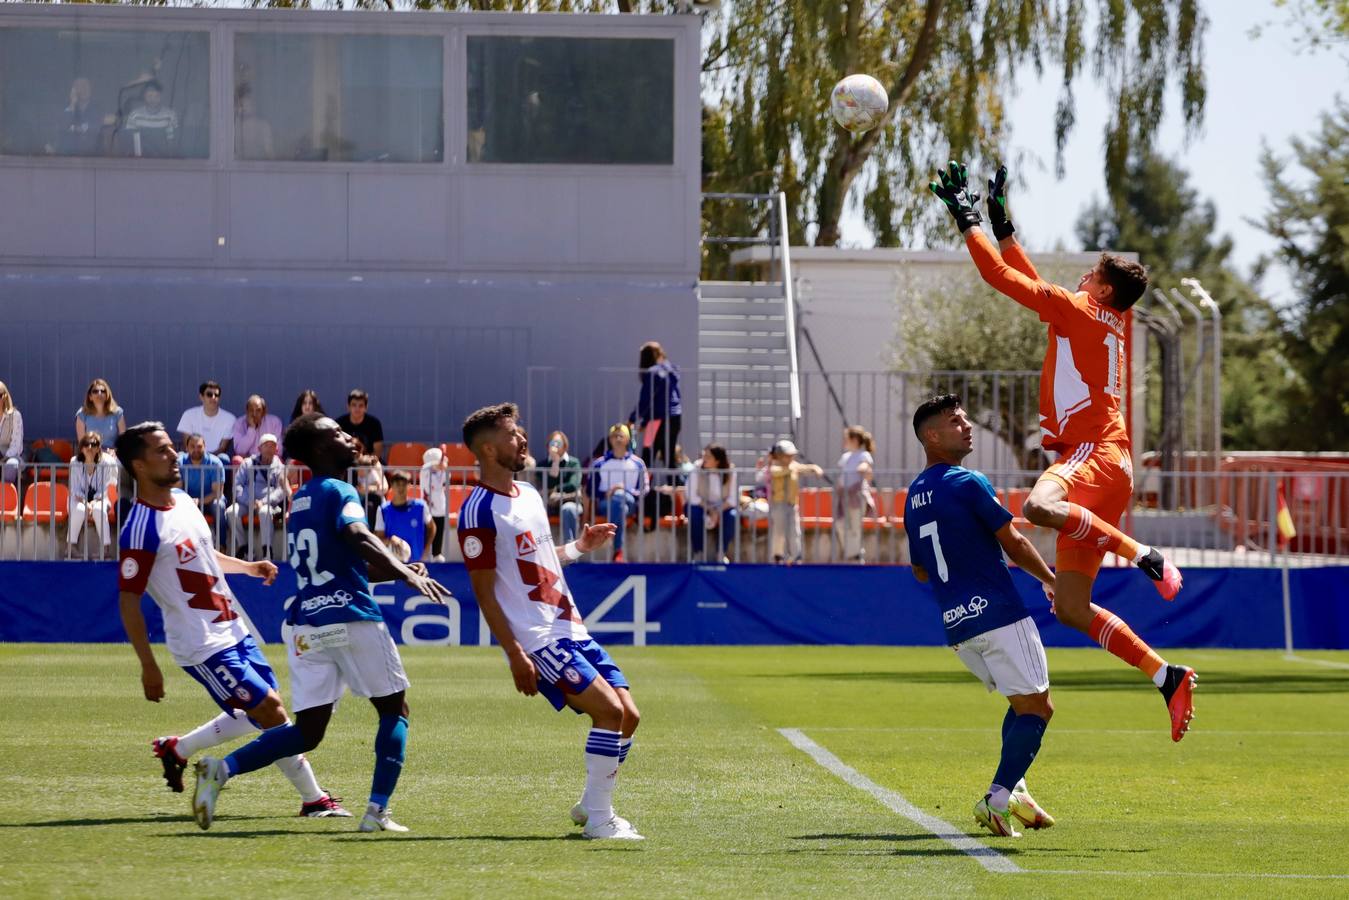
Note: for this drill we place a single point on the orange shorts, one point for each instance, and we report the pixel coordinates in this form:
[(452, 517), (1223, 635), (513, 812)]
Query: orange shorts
[(1099, 477)]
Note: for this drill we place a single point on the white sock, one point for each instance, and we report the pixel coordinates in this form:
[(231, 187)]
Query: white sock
[(999, 797), (224, 727), (1143, 550), (601, 773), (296, 769), (1159, 677)]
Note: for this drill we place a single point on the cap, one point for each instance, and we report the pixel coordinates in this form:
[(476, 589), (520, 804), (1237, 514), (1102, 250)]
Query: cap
[(267, 437), (785, 447), (432, 457)]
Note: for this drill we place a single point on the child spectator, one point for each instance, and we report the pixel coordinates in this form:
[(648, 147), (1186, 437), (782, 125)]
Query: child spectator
[(435, 479), (404, 524), (562, 485), (782, 477), (618, 481), (90, 476), (852, 496), (11, 437), (713, 501), (100, 414)]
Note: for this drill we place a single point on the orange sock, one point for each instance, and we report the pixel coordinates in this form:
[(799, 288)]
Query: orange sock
[(1083, 526), (1110, 631)]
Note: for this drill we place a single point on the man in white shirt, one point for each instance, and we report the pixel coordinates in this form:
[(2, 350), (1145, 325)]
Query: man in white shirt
[(214, 424)]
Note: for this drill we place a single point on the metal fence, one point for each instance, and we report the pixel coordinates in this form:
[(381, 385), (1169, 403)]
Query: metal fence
[(40, 520)]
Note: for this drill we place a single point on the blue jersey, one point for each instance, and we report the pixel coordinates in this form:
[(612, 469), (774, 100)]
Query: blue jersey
[(951, 518), (331, 576)]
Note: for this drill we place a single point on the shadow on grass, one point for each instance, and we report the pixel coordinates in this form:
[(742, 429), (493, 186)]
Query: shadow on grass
[(503, 838), (1115, 679), (127, 820)]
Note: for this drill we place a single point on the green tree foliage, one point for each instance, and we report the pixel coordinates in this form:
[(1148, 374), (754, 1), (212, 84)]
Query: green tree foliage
[(1174, 231), (1309, 218)]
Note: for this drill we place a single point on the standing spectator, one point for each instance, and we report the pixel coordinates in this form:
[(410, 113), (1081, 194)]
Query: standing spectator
[(90, 475), (152, 126), (359, 424), (81, 129), (852, 496), (713, 501), (260, 491), (11, 437), (204, 482), (405, 520), (435, 479), (657, 416), (100, 414), (307, 402), (782, 477), (214, 424), (618, 480), (249, 428), (562, 485), (368, 478)]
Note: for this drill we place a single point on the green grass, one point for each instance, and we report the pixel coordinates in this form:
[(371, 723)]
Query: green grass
[(727, 805)]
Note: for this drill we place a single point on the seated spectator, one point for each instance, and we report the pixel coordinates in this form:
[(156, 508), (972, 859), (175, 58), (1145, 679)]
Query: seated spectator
[(90, 475), (406, 521), (852, 496), (435, 479), (359, 424), (618, 481), (307, 402), (204, 481), (782, 476), (368, 477), (101, 415), (152, 126), (11, 437), (81, 130), (215, 425), (249, 428), (713, 501), (562, 485), (260, 491)]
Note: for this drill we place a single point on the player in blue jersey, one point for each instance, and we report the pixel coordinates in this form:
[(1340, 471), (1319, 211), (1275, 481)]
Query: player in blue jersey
[(338, 639), (953, 510)]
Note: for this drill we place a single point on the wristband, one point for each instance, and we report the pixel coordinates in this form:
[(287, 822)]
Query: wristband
[(571, 552)]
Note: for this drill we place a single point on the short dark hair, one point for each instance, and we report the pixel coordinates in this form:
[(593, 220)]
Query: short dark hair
[(209, 384), (399, 475), (152, 85), (300, 437), (131, 443), (484, 420), (1127, 279), (358, 394), (933, 406)]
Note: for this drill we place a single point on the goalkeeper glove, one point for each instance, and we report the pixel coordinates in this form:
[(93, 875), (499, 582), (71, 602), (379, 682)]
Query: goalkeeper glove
[(997, 205), (954, 191)]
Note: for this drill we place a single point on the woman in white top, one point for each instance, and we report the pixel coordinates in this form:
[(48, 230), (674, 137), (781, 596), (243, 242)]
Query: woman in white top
[(11, 436), (713, 500), (90, 476), (435, 479), (852, 496)]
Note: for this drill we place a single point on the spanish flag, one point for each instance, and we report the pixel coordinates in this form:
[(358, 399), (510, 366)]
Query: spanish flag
[(1284, 520)]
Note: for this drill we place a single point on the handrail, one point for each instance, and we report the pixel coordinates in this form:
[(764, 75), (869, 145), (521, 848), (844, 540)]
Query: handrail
[(789, 298)]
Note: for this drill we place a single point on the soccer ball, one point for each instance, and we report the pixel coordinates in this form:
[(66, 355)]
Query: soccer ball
[(859, 103)]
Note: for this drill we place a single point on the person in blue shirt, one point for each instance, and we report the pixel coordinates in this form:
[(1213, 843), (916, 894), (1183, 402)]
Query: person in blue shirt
[(408, 520), (958, 532), (337, 637), (204, 481)]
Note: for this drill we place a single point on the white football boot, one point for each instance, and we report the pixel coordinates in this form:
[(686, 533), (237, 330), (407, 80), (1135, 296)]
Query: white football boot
[(211, 777), (614, 829), (1023, 806), (1000, 823), (378, 818)]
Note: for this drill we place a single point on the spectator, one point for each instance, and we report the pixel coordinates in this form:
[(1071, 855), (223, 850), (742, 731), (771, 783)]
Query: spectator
[(713, 501), (81, 129), (90, 475), (204, 481), (618, 480), (852, 496), (782, 477), (100, 414), (562, 485), (252, 133), (359, 424), (307, 402), (435, 479), (249, 428), (153, 127), (260, 491), (659, 407), (214, 424), (368, 478), (405, 520), (11, 437)]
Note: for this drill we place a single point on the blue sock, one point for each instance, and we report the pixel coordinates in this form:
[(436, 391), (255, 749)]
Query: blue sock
[(1007, 721), (1019, 746), (273, 744), (391, 742)]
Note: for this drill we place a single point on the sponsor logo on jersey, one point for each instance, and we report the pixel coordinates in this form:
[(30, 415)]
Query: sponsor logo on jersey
[(323, 601), (187, 551), (130, 568), (472, 547), (525, 543), (969, 610)]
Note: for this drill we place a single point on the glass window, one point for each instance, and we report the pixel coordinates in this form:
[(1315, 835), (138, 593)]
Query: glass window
[(84, 92), (338, 98), (570, 100)]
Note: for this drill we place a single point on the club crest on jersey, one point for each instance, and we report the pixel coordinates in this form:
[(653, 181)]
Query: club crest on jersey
[(130, 568), (242, 693), (525, 543), (187, 551), (571, 675)]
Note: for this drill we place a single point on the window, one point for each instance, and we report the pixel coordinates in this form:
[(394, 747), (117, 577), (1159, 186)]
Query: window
[(338, 98), (570, 100), (85, 92)]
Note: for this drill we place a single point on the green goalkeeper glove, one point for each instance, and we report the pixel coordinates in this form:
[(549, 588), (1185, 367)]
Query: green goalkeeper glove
[(954, 191), (997, 205)]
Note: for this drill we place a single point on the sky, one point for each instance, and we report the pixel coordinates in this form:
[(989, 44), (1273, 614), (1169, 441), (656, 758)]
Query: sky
[(1259, 88)]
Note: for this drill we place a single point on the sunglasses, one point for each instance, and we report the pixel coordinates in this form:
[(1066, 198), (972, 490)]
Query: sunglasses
[(98, 390), (90, 443), (212, 394)]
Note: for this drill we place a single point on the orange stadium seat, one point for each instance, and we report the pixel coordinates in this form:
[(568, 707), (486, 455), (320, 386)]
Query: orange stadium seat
[(879, 521), (414, 493), (901, 500), (458, 494), (46, 502), (1016, 501), (112, 503), (458, 455), (9, 503), (406, 455), (817, 508)]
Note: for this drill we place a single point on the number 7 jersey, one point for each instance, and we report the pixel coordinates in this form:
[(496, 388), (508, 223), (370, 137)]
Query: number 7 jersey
[(509, 533), (330, 576)]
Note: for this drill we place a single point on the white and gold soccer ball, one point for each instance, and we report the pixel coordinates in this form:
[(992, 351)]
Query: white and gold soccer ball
[(859, 103)]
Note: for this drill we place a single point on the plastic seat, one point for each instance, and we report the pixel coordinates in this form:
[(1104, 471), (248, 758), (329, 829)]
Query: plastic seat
[(414, 493), (678, 518), (901, 500), (880, 521), (9, 502), (458, 494), (406, 455), (46, 502), (112, 502), (817, 508), (1016, 501)]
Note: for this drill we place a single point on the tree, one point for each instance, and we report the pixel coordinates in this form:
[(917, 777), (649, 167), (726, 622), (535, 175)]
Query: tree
[(949, 67), (1309, 218)]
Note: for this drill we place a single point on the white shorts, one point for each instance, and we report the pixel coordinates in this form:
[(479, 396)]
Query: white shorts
[(1009, 660), (324, 663)]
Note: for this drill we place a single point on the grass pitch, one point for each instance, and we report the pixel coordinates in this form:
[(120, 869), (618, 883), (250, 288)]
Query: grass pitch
[(1246, 804)]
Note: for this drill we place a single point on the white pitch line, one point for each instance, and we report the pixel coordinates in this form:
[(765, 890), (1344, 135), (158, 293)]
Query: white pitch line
[(990, 859), (1144, 874), (1329, 664), (1208, 731)]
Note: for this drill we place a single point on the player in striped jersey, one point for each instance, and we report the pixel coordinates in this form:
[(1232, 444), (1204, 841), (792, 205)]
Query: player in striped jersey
[(1084, 494), (516, 573), (166, 551)]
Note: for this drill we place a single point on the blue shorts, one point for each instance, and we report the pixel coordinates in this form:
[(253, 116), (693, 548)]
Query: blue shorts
[(568, 667), (237, 678)]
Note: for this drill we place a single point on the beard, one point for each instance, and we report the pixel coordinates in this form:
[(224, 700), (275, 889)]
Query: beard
[(518, 464)]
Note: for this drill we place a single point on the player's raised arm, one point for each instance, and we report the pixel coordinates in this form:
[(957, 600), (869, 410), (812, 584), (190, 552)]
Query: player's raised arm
[(1012, 252), (263, 568)]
